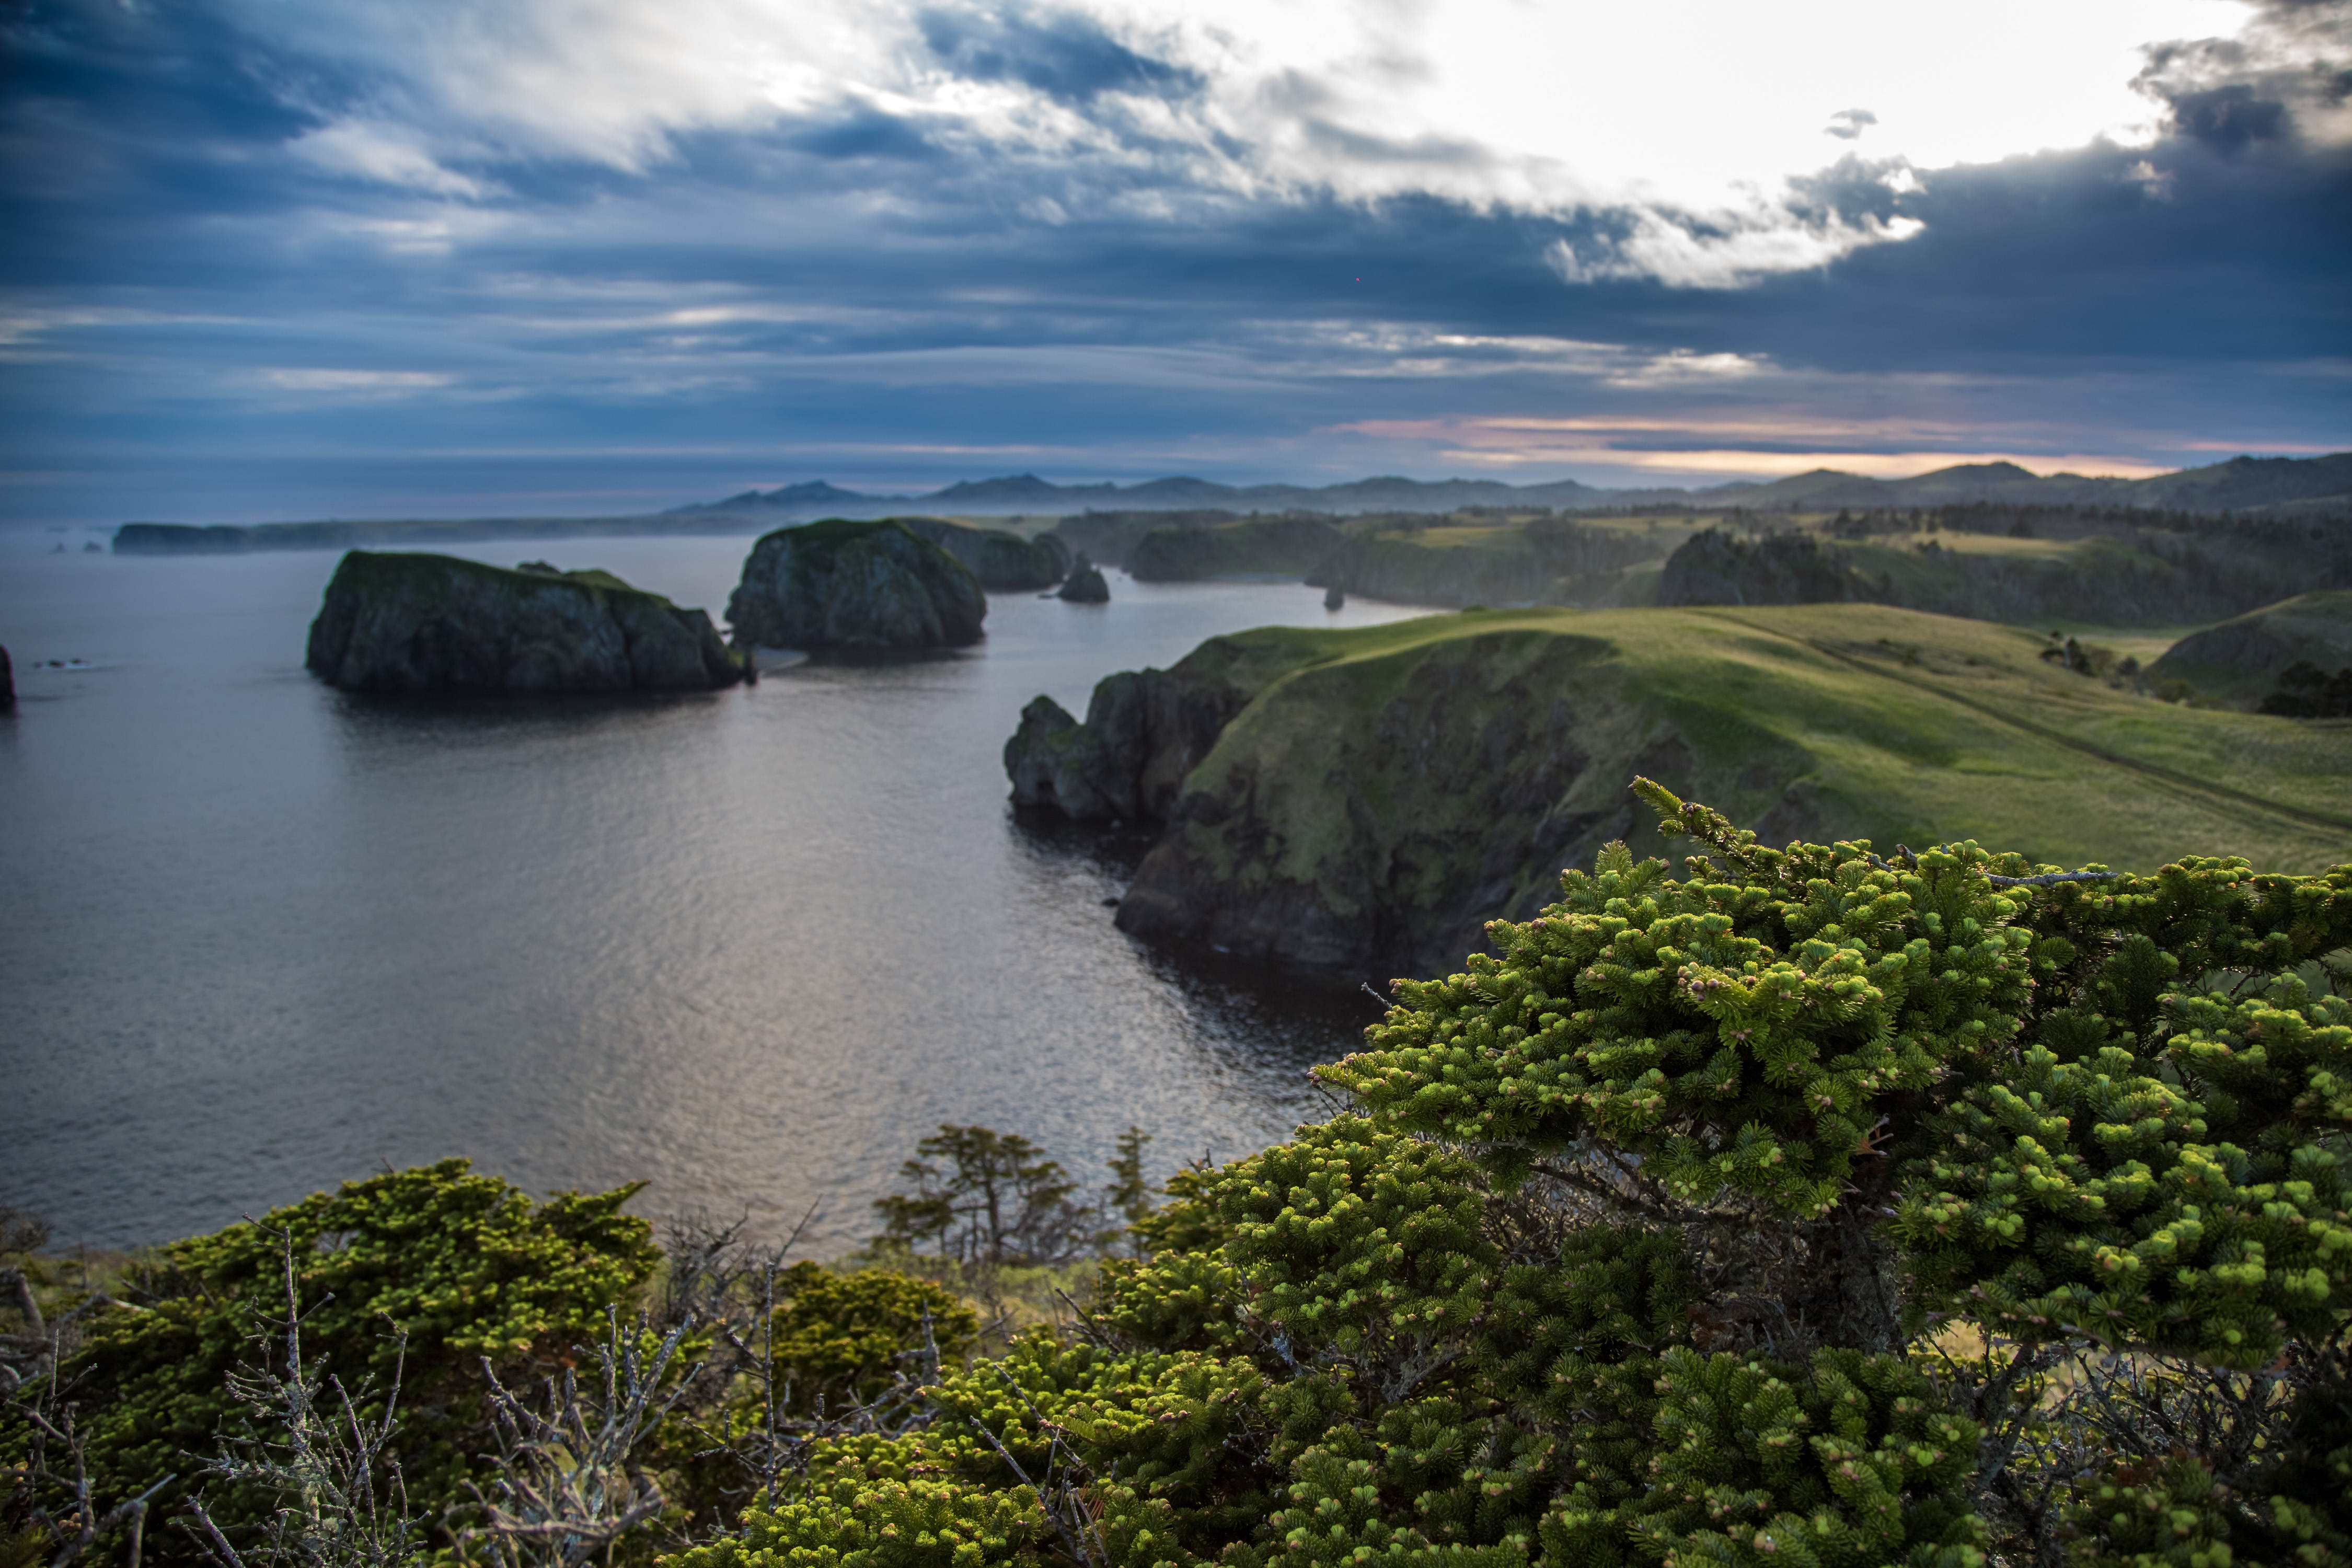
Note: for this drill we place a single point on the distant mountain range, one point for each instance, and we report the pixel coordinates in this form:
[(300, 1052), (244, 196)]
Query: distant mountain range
[(2239, 484)]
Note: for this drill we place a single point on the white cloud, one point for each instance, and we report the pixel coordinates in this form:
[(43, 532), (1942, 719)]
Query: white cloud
[(388, 154), (1695, 117), (1684, 254)]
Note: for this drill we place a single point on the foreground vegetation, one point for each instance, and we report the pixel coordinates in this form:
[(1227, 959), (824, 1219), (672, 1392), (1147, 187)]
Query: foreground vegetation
[(1806, 1207)]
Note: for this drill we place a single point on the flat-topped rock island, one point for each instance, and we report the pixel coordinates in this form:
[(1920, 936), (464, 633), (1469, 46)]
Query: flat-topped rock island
[(398, 622)]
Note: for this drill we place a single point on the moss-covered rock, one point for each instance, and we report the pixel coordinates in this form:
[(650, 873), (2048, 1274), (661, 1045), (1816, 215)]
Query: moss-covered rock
[(849, 584), (402, 622)]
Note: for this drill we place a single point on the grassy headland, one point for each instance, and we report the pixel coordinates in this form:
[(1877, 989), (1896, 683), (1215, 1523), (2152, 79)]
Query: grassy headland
[(1395, 786)]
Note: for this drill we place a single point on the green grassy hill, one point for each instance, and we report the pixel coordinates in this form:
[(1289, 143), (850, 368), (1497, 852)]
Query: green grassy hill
[(1401, 785), (2238, 661)]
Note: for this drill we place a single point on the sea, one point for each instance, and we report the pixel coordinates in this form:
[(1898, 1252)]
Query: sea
[(259, 937)]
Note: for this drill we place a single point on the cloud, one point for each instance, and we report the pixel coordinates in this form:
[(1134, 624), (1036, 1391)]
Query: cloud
[(1173, 110), (2288, 73), (388, 154), (1637, 448), (549, 245), (377, 382), (1064, 55), (1727, 251)]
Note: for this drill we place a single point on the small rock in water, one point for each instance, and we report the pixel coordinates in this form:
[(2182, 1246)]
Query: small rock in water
[(1085, 585), (1335, 598)]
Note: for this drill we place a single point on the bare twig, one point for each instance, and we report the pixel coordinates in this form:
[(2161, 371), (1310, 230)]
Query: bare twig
[(314, 1443), (566, 1481)]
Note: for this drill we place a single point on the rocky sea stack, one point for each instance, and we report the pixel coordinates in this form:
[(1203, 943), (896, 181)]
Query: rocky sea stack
[(1085, 585), (399, 622), (847, 585)]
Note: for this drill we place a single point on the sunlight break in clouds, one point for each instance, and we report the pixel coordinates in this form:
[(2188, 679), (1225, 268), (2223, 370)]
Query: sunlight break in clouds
[(1689, 130), (1671, 447)]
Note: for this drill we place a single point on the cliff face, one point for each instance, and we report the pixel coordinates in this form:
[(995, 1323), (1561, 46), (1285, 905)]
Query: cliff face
[(433, 623), (1145, 731), (1330, 812), (849, 584), (1379, 812)]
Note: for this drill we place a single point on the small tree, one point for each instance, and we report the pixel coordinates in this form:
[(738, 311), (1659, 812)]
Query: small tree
[(996, 1201)]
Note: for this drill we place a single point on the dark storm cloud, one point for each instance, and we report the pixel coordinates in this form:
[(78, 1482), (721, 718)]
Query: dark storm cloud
[(2228, 92), (1066, 56), (2226, 117)]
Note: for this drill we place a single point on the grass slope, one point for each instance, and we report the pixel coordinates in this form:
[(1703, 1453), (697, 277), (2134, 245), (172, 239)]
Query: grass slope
[(2239, 660), (1892, 724)]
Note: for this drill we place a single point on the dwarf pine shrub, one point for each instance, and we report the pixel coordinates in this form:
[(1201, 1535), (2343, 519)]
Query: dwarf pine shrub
[(1808, 1207)]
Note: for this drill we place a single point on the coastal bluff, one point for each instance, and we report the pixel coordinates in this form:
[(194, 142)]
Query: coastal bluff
[(841, 583), (399, 622), (1364, 800)]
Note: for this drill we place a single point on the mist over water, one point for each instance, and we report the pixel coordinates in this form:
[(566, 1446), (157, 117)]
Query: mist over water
[(258, 936)]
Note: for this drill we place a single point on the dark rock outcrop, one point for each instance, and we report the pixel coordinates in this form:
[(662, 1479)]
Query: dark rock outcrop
[(7, 684), (998, 558), (1085, 585), (1376, 814), (1335, 814), (849, 584), (399, 622), (1713, 567), (1145, 730)]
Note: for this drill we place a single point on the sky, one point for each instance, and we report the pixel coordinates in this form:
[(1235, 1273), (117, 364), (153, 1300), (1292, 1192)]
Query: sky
[(291, 258)]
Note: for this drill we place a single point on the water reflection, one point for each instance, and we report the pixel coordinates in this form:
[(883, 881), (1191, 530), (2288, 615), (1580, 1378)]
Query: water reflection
[(748, 944)]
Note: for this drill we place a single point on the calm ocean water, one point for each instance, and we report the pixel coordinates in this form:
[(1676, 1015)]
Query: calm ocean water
[(257, 937)]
